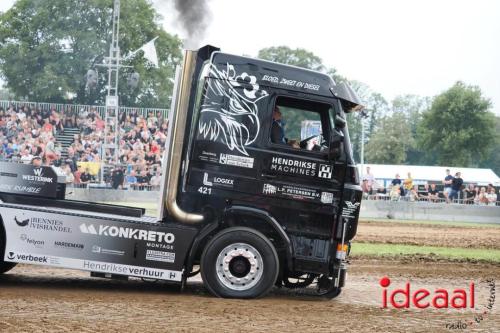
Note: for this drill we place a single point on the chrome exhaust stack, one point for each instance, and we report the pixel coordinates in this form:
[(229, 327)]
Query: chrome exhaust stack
[(175, 141)]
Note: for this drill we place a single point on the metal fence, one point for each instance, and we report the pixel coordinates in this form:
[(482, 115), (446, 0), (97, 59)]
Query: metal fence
[(387, 197), (61, 108), (126, 187)]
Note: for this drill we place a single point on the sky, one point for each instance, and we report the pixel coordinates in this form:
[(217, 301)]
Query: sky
[(396, 47)]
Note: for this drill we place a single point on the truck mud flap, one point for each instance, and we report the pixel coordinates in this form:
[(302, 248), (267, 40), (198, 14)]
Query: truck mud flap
[(349, 213)]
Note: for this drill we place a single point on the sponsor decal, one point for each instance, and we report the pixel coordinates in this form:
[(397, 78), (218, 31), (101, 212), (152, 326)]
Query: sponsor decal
[(21, 223), (98, 249), (325, 171), (20, 188), (326, 197), (208, 156), (161, 246), (37, 176), (295, 192), (292, 166), (68, 245), (96, 266), (36, 243), (269, 189), (130, 233), (27, 179), (41, 223), (206, 182), (300, 167), (217, 181), (239, 161), (350, 209), (163, 256), (27, 258)]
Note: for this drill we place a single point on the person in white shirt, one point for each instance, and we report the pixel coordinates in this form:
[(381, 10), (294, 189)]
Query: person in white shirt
[(369, 177), (492, 197), (26, 157)]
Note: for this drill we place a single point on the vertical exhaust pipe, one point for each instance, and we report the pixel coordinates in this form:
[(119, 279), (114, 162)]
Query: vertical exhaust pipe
[(175, 139)]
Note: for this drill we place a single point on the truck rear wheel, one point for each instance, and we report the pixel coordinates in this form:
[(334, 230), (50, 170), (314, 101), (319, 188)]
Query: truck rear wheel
[(239, 262)]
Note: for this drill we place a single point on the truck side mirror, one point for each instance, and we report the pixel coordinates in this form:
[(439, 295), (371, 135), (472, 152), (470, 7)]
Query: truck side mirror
[(336, 147), (339, 121)]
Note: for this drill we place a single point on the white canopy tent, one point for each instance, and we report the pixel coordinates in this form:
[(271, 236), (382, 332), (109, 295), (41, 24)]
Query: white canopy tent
[(427, 174)]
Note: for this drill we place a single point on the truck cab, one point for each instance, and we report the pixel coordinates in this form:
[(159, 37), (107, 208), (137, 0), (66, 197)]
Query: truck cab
[(260, 187)]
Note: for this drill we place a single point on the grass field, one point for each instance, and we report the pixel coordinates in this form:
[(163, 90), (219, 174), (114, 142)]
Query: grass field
[(447, 223), (401, 250), (375, 249)]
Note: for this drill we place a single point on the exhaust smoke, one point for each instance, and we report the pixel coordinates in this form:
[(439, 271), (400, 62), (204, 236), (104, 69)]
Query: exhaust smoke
[(195, 17)]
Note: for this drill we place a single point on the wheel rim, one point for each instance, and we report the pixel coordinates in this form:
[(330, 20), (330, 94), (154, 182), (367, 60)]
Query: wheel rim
[(239, 266)]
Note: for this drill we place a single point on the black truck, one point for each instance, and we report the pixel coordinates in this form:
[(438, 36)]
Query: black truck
[(260, 189)]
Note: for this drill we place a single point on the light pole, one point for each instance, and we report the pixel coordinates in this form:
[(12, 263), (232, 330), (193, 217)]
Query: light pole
[(111, 122), (113, 63), (362, 116)]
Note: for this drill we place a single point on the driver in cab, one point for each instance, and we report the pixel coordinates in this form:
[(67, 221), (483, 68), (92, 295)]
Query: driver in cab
[(277, 129), (278, 134)]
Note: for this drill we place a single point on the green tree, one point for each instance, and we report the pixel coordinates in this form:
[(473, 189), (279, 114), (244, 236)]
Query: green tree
[(46, 48), (458, 129), (297, 57), (376, 107), (389, 144), (412, 107), (493, 159)]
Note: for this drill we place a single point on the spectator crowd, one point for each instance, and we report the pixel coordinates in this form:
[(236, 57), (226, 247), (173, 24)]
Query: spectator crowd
[(450, 189), (28, 135)]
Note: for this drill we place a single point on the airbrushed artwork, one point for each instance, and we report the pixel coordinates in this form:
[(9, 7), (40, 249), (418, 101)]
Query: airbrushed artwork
[(230, 111)]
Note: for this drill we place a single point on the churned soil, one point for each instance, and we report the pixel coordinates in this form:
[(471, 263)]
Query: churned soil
[(429, 234), (40, 299)]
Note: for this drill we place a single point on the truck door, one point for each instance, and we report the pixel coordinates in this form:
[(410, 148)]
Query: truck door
[(295, 164)]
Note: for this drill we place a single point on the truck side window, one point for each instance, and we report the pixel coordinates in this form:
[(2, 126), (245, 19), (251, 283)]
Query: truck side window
[(300, 124)]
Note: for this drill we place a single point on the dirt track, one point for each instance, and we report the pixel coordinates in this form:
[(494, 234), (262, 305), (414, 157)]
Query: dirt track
[(429, 234), (36, 299)]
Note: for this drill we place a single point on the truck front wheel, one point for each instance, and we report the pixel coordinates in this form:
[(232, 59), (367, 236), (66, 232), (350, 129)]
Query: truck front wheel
[(239, 262)]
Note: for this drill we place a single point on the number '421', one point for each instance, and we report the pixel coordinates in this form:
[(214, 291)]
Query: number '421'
[(205, 190)]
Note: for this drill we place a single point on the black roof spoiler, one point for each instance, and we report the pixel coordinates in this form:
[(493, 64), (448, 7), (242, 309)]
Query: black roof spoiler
[(349, 99), (343, 91)]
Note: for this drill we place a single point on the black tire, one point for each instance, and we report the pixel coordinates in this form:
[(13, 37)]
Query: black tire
[(230, 264), (4, 266), (331, 294)]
